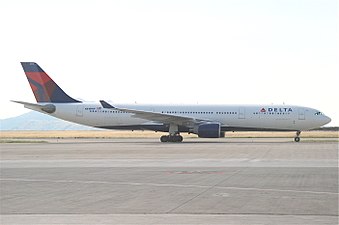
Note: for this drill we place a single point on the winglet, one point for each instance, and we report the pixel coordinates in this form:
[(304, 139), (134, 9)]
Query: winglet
[(106, 105)]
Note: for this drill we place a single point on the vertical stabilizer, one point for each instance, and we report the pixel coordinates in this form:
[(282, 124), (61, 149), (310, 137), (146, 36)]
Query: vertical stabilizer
[(43, 87)]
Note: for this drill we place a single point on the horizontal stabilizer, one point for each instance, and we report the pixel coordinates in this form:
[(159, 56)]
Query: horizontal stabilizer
[(48, 108)]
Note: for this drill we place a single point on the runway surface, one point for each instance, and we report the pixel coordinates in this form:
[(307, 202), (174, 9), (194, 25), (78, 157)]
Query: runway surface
[(142, 181)]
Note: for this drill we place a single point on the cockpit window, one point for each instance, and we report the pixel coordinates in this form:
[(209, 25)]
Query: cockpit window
[(319, 113)]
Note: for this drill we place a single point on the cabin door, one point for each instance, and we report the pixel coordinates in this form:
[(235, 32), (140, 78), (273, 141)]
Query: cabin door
[(79, 111), (301, 114), (241, 113)]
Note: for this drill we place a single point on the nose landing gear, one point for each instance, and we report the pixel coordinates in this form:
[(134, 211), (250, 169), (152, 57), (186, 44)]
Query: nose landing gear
[(297, 138)]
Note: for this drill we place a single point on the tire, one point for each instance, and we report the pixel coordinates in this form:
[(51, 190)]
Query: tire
[(180, 138), (297, 139), (164, 138), (175, 138)]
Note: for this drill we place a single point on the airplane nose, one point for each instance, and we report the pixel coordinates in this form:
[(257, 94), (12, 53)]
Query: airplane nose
[(327, 119)]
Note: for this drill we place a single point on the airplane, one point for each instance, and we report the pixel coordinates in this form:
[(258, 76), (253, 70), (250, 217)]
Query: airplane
[(206, 121)]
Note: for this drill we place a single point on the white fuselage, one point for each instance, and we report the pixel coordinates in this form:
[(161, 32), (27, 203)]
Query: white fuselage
[(207, 121), (231, 117)]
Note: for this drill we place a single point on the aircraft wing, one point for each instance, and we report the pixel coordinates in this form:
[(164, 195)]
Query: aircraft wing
[(157, 117)]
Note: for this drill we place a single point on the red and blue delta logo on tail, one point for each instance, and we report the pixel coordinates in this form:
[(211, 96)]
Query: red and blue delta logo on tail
[(43, 87)]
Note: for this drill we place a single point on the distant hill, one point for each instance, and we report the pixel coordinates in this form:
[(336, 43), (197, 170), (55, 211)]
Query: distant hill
[(327, 129), (38, 121)]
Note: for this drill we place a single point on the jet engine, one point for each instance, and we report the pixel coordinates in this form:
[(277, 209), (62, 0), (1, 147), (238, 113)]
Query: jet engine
[(209, 130)]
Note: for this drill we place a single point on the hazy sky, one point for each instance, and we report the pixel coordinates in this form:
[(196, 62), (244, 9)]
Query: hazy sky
[(222, 52)]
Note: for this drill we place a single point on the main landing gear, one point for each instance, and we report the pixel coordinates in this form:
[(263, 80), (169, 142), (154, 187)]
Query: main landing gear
[(297, 138), (173, 136)]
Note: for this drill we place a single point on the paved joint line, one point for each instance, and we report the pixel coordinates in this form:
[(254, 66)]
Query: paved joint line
[(170, 185), (203, 192)]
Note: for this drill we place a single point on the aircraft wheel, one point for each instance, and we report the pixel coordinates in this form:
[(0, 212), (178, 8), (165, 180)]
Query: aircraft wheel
[(164, 138), (176, 138), (297, 139), (168, 138), (180, 138)]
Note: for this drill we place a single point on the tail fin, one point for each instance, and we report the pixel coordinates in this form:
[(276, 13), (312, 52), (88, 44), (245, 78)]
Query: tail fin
[(43, 87)]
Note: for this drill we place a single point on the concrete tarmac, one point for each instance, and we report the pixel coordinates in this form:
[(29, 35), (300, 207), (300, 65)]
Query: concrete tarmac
[(142, 181)]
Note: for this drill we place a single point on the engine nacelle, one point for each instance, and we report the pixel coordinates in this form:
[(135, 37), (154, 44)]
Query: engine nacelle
[(209, 130)]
